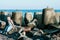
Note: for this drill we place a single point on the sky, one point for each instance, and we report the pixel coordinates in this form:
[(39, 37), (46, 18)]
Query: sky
[(29, 4)]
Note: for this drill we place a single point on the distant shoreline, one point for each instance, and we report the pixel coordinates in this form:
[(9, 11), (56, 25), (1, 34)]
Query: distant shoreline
[(26, 10)]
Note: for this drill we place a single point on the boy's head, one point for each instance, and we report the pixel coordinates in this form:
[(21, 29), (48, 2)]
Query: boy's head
[(29, 16)]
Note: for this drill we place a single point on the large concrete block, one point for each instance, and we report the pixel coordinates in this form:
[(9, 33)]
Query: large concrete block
[(57, 17), (48, 15), (17, 17)]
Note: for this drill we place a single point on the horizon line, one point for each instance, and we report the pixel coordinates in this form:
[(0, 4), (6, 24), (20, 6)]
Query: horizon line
[(13, 10)]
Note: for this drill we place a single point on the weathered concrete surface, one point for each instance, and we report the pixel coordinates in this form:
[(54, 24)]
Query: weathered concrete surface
[(2, 37)]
